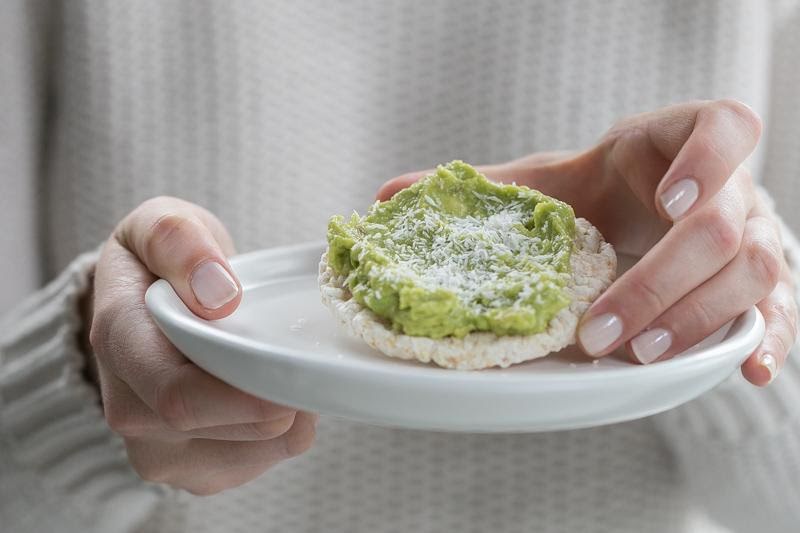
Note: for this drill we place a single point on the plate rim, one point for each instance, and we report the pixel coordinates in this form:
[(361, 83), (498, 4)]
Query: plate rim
[(746, 328)]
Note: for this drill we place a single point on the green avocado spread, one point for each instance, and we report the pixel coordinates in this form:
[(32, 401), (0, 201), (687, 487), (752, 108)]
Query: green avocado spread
[(456, 253)]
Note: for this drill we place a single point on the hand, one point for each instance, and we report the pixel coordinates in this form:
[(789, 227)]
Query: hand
[(181, 426), (669, 186)]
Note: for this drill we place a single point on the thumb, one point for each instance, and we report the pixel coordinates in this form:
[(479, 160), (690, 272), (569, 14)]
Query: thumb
[(173, 240)]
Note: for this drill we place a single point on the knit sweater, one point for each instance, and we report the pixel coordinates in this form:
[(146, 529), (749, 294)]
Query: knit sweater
[(275, 115)]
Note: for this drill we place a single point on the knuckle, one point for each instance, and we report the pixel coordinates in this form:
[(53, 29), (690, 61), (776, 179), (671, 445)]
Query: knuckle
[(297, 443), (148, 469), (110, 332), (764, 261), (722, 231), (701, 316), (122, 423), (119, 340), (273, 428), (623, 127), (99, 331), (168, 228), (711, 150), (784, 315), (647, 294), (171, 405), (625, 137), (624, 144), (741, 112)]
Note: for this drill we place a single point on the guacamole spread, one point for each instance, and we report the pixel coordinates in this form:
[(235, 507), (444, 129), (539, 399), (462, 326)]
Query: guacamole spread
[(456, 253)]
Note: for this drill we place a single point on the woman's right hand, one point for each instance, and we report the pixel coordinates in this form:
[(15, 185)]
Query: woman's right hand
[(181, 426)]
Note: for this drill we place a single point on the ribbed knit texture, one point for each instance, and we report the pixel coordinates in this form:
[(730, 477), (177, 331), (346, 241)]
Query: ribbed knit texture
[(277, 114), (60, 468)]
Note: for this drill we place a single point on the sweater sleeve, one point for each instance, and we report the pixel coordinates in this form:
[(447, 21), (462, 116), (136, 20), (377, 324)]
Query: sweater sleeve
[(61, 468), (738, 446)]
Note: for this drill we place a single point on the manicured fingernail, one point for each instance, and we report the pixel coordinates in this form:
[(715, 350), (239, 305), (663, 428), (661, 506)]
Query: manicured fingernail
[(648, 345), (768, 361), (600, 332), (212, 285), (679, 197)]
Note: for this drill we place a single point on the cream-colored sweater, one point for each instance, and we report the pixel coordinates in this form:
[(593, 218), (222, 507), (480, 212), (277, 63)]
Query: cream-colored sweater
[(277, 114)]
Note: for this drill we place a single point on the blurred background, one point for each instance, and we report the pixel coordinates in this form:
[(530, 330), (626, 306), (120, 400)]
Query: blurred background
[(211, 101), (275, 115)]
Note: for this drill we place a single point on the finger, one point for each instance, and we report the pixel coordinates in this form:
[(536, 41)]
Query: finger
[(174, 243), (127, 415), (253, 431), (725, 132), (689, 254), (397, 184), (191, 463), (295, 442), (636, 159), (527, 170), (781, 320), (189, 398), (753, 273), (780, 313), (209, 466), (131, 347), (218, 230), (675, 159)]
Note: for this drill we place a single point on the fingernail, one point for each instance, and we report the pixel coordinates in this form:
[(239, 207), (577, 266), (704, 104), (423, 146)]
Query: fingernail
[(679, 197), (648, 345), (598, 333), (768, 361), (212, 285)]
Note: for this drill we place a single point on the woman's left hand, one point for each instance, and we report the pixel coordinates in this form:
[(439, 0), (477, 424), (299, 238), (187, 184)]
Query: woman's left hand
[(670, 186)]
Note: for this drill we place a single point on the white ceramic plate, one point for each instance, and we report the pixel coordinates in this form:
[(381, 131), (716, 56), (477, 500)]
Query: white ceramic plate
[(282, 344)]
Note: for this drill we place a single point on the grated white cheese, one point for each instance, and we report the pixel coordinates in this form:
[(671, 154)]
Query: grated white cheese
[(489, 260)]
